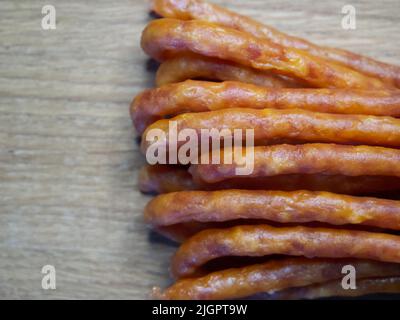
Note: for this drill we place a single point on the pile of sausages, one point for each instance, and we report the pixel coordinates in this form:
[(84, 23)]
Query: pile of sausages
[(326, 159)]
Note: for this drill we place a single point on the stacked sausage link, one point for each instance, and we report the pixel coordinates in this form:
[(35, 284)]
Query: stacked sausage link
[(326, 158)]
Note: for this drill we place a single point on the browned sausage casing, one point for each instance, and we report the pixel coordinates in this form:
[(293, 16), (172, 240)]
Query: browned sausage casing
[(197, 9), (270, 277), (158, 179), (313, 158), (379, 284), (263, 240), (186, 67), (296, 206), (201, 96), (292, 125), (166, 38)]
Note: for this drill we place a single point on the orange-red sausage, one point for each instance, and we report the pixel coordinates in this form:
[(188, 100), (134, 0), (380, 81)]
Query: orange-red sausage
[(263, 240), (273, 126), (197, 9), (164, 178), (270, 277), (313, 158), (201, 96), (279, 206), (167, 38), (182, 231), (334, 288), (158, 179), (185, 67)]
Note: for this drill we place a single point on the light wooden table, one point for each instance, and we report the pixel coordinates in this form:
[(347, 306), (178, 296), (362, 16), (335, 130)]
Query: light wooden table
[(68, 157)]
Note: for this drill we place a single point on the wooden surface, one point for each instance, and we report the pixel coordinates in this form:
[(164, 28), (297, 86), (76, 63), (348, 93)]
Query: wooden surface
[(68, 157)]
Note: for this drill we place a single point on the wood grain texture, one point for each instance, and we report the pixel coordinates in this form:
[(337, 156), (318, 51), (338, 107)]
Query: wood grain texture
[(68, 156)]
